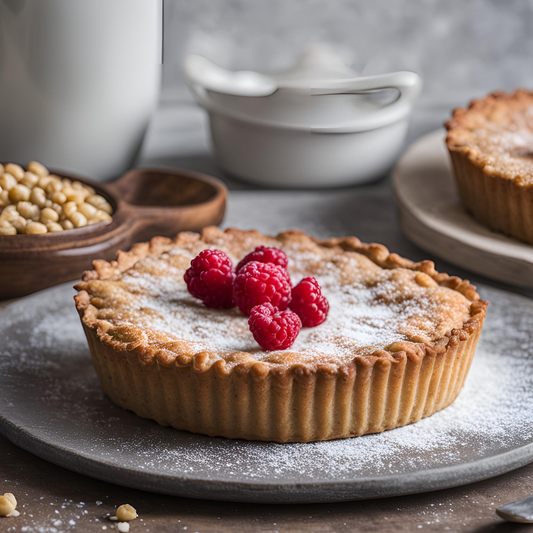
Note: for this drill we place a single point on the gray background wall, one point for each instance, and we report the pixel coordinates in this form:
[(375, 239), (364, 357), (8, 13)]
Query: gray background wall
[(462, 48)]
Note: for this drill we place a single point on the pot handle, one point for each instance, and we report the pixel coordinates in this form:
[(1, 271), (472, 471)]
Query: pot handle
[(408, 85)]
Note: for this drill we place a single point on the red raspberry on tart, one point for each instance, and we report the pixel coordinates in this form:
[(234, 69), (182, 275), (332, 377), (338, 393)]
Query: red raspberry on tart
[(210, 279), (309, 303), (273, 329), (259, 283), (266, 254)]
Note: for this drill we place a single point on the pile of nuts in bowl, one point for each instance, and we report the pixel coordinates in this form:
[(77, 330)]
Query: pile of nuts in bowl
[(33, 201)]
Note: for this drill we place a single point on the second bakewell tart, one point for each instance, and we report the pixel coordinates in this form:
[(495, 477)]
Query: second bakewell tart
[(491, 146), (397, 344)]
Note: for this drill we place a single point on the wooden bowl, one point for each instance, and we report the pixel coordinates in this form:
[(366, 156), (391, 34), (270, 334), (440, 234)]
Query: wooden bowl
[(146, 202)]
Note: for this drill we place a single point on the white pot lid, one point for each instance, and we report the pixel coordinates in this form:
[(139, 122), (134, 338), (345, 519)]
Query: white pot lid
[(317, 64), (282, 99)]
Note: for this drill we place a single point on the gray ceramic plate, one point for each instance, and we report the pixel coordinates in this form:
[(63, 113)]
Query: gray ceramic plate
[(52, 405)]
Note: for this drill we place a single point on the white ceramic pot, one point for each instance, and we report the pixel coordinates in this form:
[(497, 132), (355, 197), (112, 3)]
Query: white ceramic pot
[(79, 80), (306, 128)]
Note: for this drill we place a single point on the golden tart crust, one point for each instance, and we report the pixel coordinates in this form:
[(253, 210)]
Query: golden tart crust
[(396, 347), (491, 146)]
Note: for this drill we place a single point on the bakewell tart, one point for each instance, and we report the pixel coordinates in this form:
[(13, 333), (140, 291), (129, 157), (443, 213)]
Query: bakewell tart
[(491, 146), (396, 346)]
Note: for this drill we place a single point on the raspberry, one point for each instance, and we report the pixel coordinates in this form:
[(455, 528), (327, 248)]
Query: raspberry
[(309, 303), (210, 279), (263, 254), (258, 283), (272, 329)]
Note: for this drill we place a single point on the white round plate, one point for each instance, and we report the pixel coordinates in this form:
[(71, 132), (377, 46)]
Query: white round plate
[(53, 405), (433, 217)]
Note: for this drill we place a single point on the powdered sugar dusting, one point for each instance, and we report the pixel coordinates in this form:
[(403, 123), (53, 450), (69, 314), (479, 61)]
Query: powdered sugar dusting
[(369, 307), (508, 148), (50, 388)]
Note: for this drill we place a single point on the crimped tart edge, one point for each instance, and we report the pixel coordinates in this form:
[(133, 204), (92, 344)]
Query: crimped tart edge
[(175, 352), (457, 124), (498, 203), (359, 398)]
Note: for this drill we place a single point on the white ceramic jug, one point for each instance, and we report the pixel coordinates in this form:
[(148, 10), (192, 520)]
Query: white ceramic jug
[(317, 125), (79, 80)]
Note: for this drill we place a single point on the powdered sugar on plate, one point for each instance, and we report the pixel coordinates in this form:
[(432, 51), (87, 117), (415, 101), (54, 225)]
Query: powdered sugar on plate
[(51, 395)]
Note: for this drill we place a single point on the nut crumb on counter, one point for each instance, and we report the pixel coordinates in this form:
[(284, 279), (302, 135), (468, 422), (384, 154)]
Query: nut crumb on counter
[(126, 512), (8, 505)]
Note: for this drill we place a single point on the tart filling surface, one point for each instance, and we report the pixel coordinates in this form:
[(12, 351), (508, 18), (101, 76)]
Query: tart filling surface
[(496, 134), (371, 307), (138, 313)]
